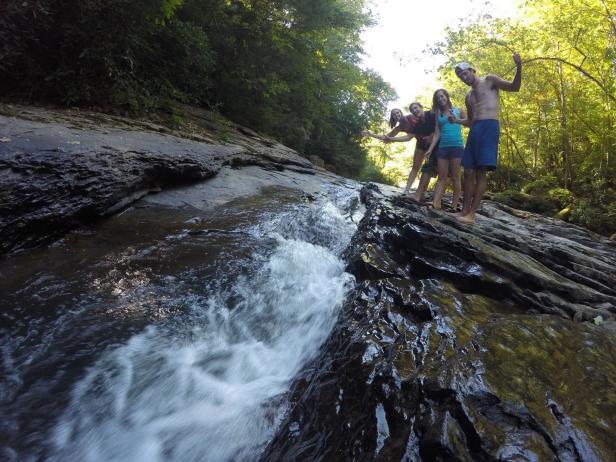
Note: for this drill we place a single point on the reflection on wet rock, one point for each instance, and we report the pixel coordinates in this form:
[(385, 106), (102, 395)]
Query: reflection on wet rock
[(463, 343)]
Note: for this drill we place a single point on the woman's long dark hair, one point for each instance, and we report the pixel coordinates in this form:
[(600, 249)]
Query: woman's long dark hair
[(392, 122), (435, 105)]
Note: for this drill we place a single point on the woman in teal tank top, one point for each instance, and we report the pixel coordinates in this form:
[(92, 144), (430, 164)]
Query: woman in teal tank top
[(448, 136)]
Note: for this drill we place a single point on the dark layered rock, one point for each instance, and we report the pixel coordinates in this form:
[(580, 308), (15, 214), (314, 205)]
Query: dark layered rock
[(463, 343), (486, 342), (60, 170)]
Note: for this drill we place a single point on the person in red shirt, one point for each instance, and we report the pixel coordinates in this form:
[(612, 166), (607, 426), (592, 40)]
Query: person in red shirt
[(415, 125), (398, 122)]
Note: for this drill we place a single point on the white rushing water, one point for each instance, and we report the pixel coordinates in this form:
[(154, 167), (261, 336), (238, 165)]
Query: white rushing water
[(212, 387)]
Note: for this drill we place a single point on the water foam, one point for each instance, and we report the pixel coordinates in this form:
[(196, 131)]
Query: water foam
[(218, 392)]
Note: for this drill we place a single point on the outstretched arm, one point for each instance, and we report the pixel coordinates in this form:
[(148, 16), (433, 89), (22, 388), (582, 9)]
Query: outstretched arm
[(407, 137), (515, 84), (394, 131), (378, 136), (381, 137), (464, 119)]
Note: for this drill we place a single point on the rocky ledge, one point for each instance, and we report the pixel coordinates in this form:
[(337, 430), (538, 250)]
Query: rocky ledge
[(62, 169), (463, 343), (471, 343)]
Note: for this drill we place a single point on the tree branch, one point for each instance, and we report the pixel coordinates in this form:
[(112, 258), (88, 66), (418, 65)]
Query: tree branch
[(517, 150), (578, 68), (608, 13)]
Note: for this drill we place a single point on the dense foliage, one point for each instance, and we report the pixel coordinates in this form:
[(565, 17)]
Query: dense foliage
[(286, 67)]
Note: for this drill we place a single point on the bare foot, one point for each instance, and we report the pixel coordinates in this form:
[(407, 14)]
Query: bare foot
[(413, 198), (460, 214), (466, 219)]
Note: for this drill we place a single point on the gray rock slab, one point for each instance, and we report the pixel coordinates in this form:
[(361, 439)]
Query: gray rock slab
[(55, 176)]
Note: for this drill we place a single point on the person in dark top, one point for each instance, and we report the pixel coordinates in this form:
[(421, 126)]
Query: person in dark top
[(420, 125), (423, 131), (398, 122), (425, 125), (401, 123)]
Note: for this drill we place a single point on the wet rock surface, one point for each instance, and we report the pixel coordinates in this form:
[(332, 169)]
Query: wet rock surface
[(59, 171), (490, 342), (463, 343)]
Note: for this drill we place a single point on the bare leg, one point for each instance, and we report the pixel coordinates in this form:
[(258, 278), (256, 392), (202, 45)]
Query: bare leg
[(469, 190), (457, 184), (480, 189), (441, 184), (424, 182), (418, 158)]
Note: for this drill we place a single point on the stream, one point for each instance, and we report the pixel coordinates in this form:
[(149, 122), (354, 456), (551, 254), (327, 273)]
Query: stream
[(171, 331)]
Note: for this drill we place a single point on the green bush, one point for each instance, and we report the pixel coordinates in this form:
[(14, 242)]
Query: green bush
[(104, 52), (597, 213), (541, 186), (594, 216), (561, 197), (523, 201), (506, 177), (371, 172)]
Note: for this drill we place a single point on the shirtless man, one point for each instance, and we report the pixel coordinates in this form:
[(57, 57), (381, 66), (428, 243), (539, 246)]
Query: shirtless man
[(480, 154)]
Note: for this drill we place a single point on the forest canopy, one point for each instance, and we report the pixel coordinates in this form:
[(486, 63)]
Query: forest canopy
[(289, 68)]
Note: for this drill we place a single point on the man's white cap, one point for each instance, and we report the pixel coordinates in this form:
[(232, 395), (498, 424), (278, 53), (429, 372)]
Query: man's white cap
[(463, 66)]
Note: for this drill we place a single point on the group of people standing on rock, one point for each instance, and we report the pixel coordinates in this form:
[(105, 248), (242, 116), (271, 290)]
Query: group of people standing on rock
[(440, 146)]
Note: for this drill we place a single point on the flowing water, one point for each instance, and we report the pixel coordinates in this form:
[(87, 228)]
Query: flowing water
[(170, 333)]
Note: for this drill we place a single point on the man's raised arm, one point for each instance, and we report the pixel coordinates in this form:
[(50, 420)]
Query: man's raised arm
[(515, 84)]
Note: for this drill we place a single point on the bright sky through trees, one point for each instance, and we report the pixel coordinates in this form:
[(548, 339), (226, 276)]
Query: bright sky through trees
[(406, 27)]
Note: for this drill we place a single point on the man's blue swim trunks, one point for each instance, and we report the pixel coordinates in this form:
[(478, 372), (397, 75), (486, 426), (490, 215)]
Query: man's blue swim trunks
[(482, 145)]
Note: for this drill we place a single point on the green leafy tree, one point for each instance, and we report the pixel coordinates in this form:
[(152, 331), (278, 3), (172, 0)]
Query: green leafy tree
[(286, 67)]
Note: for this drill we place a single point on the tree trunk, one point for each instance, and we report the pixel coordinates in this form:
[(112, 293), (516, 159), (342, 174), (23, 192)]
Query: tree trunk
[(564, 133), (549, 158)]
